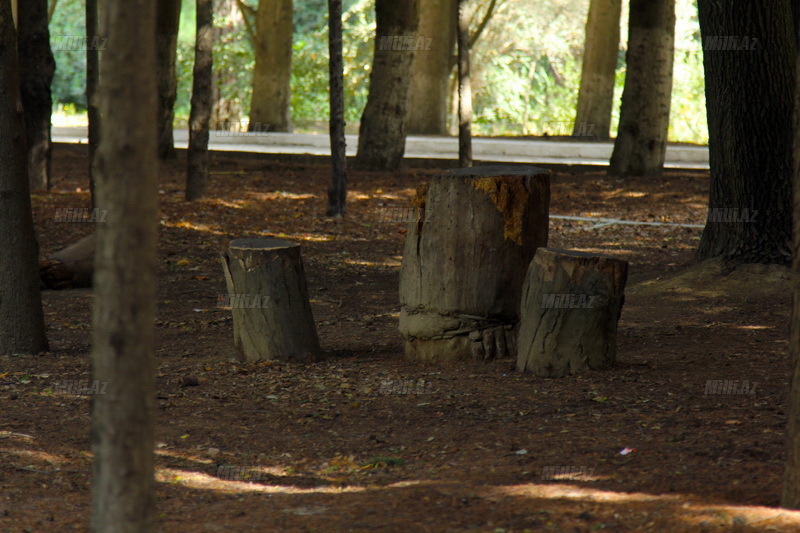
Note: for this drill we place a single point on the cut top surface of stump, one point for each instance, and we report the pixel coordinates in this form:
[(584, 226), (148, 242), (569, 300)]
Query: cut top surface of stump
[(486, 171), (260, 244)]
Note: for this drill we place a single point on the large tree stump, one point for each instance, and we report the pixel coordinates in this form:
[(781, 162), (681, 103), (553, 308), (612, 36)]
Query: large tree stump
[(465, 258), (571, 302), (268, 295)]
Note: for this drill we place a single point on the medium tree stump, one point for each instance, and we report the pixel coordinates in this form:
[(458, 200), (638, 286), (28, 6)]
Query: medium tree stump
[(571, 302), (465, 258), (268, 295)]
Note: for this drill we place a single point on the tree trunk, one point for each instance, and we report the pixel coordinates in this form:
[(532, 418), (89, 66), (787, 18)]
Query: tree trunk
[(168, 18), (123, 353), (199, 116), (382, 133), (600, 54), (337, 191), (750, 85), (268, 295), (464, 89), (571, 302), (431, 68), (641, 142), (36, 69), (92, 82), (226, 111), (466, 254), (271, 101), (790, 496), (21, 318)]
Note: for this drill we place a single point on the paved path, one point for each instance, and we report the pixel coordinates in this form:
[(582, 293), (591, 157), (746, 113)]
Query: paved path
[(533, 151)]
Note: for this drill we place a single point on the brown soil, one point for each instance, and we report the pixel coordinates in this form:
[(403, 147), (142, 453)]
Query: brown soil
[(333, 447)]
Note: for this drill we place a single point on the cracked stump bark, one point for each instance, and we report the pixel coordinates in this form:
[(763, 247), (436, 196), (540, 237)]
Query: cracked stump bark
[(466, 254), (571, 302)]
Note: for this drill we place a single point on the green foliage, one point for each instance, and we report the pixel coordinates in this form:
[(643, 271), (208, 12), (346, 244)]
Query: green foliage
[(526, 66)]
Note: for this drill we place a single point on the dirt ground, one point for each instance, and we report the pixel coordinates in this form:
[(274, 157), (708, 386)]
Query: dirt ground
[(366, 441)]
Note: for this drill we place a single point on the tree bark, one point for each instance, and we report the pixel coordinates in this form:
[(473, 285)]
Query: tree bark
[(382, 133), (571, 302), (466, 254), (337, 191), (199, 116), (750, 85), (431, 68), (22, 327), (92, 83), (268, 295), (270, 104), (790, 496), (464, 89), (600, 54), (37, 67), (123, 356), (168, 19), (641, 142)]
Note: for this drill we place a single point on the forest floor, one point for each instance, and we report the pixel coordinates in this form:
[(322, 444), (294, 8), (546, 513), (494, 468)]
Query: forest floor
[(366, 441)]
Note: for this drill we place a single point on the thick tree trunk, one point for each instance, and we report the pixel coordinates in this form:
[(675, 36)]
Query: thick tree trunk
[(571, 302), (199, 116), (641, 142), (750, 86), (790, 497), (337, 191), (600, 54), (432, 65), (21, 319), (226, 111), (464, 89), (36, 68), (382, 134), (123, 353), (268, 295), (465, 258), (92, 83), (168, 20), (270, 104)]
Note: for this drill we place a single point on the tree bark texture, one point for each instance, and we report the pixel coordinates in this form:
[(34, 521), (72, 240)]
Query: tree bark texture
[(168, 19), (200, 114), (271, 101), (337, 191), (464, 89)]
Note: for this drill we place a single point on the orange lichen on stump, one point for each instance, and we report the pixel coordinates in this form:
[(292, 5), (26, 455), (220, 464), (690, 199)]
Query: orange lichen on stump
[(510, 196)]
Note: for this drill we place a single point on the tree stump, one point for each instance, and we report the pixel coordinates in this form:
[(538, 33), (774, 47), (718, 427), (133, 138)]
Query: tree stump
[(72, 267), (571, 302), (268, 295), (465, 258)]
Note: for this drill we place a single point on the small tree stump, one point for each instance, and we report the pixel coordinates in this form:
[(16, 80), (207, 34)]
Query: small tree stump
[(465, 258), (571, 302), (268, 295)]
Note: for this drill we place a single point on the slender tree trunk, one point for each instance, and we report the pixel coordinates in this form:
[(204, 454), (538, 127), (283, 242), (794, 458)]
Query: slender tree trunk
[(600, 54), (271, 101), (92, 83), (197, 159), (790, 497), (431, 68), (337, 192), (464, 89), (36, 68), (641, 142), (749, 60), (382, 133), (226, 111), (168, 20), (21, 319), (123, 356)]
